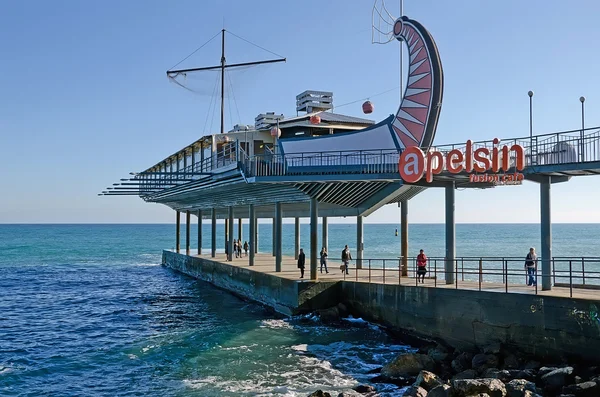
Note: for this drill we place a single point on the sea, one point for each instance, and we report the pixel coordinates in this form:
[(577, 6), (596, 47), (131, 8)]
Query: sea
[(87, 310)]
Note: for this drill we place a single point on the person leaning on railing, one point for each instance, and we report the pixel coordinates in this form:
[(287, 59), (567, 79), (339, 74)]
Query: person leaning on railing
[(530, 265), (421, 266)]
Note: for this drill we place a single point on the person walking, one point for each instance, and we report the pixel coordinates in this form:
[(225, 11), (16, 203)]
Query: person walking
[(346, 258), (235, 248), (245, 248), (421, 266), (301, 262), (324, 259), (530, 265), (239, 249)]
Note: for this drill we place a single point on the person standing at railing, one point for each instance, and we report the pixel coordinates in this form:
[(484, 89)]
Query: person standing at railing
[(421, 266), (245, 248), (301, 262), (346, 258), (530, 265), (323, 255)]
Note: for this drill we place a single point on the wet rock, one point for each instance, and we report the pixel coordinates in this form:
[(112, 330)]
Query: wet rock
[(511, 362), (473, 387), (319, 393), (577, 380), (545, 370), (438, 353), (374, 371), (428, 380), (481, 362), (408, 364), (494, 373), (528, 374), (462, 362), (330, 315), (494, 348), (342, 310), (351, 393), (415, 391), (467, 374), (554, 381), (518, 387), (585, 389), (440, 391), (399, 381), (532, 365), (364, 389)]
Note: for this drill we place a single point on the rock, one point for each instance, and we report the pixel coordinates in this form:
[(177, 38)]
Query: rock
[(494, 348), (530, 394), (415, 391), (481, 362), (518, 387), (511, 362), (532, 365), (585, 389), (350, 393), (399, 381), (428, 380), (545, 370), (467, 374), (462, 362), (364, 389), (440, 391), (553, 381), (342, 310), (374, 371), (528, 374), (438, 353), (331, 315), (578, 380), (408, 364), (470, 387), (494, 373), (319, 393)]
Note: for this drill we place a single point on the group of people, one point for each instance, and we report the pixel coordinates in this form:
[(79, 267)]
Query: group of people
[(346, 258), (237, 248)]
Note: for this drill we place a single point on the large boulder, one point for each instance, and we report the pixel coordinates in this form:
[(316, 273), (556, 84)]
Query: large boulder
[(415, 391), (511, 361), (330, 315), (462, 362), (495, 373), (363, 389), (428, 380), (554, 381), (545, 370), (351, 393), (470, 387), (320, 393), (408, 364), (342, 310), (440, 391), (585, 389), (467, 374), (532, 365), (481, 362), (518, 387), (438, 353)]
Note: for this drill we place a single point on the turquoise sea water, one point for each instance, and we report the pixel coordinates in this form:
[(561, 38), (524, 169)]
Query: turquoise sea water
[(87, 310)]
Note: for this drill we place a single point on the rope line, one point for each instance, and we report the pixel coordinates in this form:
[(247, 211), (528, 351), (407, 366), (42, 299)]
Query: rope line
[(195, 51), (256, 45), (366, 98)]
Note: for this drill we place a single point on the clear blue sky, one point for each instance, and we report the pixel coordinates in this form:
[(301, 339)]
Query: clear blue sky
[(84, 98)]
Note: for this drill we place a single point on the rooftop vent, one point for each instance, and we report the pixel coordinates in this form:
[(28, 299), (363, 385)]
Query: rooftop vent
[(265, 121), (314, 101), (242, 128)]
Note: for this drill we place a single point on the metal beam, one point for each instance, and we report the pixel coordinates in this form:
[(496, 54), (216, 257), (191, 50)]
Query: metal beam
[(233, 65), (450, 234), (404, 236), (278, 232), (213, 234), (296, 237), (187, 232), (359, 241), (199, 232), (177, 232), (253, 234), (314, 214), (230, 239), (546, 234)]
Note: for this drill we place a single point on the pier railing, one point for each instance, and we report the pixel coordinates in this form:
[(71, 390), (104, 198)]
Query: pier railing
[(481, 273)]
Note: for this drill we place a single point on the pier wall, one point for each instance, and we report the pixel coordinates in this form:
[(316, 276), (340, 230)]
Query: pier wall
[(544, 326), (285, 296)]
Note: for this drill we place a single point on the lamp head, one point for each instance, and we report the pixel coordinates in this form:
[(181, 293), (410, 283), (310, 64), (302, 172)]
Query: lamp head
[(530, 93)]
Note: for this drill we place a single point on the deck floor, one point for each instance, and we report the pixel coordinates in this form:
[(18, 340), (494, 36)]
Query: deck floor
[(265, 263)]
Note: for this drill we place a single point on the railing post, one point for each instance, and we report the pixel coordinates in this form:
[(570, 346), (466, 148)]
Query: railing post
[(456, 272), (571, 279), (384, 271), (583, 270), (435, 273), (480, 272), (369, 271), (415, 273), (503, 278), (505, 265), (553, 271), (462, 271)]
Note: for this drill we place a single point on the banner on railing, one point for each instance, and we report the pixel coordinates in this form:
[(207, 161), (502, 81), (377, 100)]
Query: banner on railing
[(413, 163)]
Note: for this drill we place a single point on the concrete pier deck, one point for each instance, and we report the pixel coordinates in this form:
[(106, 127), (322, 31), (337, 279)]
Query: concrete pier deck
[(265, 263)]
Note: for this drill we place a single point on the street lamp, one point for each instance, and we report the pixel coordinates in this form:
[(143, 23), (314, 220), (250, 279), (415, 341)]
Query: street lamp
[(530, 93), (581, 142)]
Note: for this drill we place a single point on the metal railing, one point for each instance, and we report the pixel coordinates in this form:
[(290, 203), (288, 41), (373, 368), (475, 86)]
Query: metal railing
[(481, 273)]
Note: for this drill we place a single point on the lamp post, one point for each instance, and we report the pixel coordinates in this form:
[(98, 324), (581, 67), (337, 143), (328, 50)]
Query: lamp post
[(581, 142), (530, 93)]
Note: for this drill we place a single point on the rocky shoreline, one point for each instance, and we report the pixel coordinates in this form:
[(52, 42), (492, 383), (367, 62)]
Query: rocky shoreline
[(437, 370)]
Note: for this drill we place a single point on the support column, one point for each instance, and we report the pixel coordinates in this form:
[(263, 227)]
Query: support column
[(257, 234), (226, 237), (359, 242), (314, 214), (253, 234), (278, 231), (177, 232), (187, 232), (404, 236), (230, 241), (273, 236), (325, 234), (450, 234), (546, 229), (199, 232), (296, 238), (240, 234), (213, 233)]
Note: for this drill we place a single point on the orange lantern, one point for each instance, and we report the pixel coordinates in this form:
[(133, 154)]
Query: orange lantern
[(275, 132), (367, 107), (315, 119)]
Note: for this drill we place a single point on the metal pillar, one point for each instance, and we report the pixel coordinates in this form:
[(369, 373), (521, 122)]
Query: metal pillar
[(256, 237), (404, 236), (297, 238), (359, 241), (240, 229), (226, 237), (450, 234), (253, 234), (314, 213), (199, 232), (546, 229), (324, 234), (187, 232), (273, 233), (177, 232), (278, 231), (213, 233), (230, 240)]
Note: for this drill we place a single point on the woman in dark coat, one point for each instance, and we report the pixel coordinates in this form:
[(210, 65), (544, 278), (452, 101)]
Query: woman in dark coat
[(301, 262)]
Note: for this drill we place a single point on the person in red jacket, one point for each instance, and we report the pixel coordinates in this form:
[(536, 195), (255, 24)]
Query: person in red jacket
[(421, 266)]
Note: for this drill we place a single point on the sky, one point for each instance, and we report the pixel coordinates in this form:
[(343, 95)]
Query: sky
[(84, 98)]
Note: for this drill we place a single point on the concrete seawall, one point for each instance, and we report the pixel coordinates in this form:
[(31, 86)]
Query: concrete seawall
[(544, 326)]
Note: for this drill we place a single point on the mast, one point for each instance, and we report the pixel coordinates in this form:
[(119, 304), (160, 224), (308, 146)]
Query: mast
[(222, 81)]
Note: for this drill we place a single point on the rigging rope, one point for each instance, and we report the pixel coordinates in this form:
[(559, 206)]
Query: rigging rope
[(195, 51), (212, 98), (234, 101), (256, 45), (366, 98)]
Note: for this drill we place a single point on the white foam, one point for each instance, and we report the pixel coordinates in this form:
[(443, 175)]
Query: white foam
[(276, 324)]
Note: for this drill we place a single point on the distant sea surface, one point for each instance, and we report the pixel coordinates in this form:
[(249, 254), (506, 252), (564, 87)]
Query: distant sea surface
[(87, 310)]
